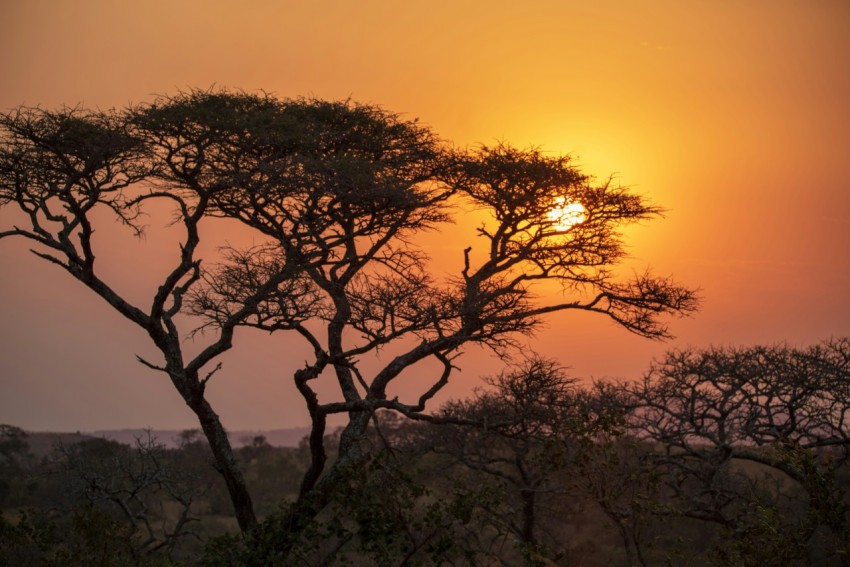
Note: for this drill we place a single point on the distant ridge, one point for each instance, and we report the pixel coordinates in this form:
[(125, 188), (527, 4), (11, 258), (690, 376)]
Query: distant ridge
[(41, 443), (171, 437)]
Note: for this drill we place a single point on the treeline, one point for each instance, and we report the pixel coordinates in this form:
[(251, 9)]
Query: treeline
[(726, 456)]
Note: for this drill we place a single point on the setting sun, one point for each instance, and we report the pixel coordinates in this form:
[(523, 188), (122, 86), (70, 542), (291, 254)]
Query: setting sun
[(565, 215)]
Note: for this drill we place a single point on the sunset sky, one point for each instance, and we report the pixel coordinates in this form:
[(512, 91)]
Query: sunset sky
[(733, 116)]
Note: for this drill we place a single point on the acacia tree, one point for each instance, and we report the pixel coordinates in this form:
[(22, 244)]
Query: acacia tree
[(784, 409), (339, 194), (342, 200), (141, 486), (535, 427)]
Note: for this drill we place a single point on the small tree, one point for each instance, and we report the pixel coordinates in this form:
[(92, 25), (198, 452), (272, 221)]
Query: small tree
[(140, 487), (782, 410), (534, 427)]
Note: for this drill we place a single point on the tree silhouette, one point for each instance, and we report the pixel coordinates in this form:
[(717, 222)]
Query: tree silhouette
[(776, 408), (339, 195), (535, 427)]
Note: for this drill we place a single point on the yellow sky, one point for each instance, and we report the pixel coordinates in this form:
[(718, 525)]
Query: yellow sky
[(732, 115)]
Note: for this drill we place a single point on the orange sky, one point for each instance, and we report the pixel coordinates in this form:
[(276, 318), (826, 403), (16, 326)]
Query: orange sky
[(732, 115)]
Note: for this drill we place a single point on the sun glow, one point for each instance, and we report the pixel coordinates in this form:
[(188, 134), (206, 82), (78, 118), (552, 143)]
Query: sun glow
[(566, 214)]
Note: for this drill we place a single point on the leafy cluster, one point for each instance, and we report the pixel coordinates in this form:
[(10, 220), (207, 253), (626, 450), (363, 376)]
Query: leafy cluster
[(536, 469)]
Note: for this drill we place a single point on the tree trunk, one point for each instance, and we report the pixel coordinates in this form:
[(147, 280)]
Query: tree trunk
[(350, 440), (317, 491), (222, 451), (528, 516)]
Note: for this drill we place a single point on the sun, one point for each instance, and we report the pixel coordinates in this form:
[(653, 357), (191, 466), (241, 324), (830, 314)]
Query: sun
[(566, 214)]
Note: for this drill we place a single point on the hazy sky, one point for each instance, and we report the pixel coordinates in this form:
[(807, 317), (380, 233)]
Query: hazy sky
[(734, 116)]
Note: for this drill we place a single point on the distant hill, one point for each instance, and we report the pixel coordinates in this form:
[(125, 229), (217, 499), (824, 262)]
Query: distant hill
[(41, 443), (170, 437)]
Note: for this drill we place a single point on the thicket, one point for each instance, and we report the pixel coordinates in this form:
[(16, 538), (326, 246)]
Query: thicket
[(748, 467)]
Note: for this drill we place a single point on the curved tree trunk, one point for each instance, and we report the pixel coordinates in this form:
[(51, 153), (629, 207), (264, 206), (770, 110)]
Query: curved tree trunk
[(225, 461)]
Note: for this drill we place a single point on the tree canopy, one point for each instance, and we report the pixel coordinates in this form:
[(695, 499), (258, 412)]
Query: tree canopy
[(339, 195)]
